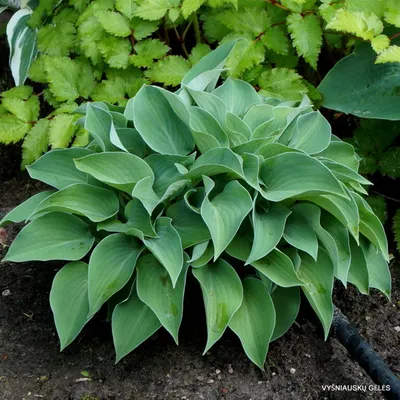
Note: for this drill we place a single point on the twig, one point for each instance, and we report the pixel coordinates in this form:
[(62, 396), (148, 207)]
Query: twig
[(196, 29), (385, 196), (394, 36)]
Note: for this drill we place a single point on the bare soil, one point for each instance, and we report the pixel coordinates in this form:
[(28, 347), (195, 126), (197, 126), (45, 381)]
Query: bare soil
[(31, 366)]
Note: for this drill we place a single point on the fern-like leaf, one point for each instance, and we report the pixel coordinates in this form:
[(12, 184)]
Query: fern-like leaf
[(190, 6), (115, 51), (282, 83), (306, 33), (12, 129), (390, 55), (63, 76), (26, 110), (36, 142), (365, 25), (126, 7), (61, 130), (169, 71), (114, 23), (147, 51)]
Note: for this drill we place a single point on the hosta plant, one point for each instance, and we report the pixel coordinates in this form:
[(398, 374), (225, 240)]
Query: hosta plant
[(250, 195)]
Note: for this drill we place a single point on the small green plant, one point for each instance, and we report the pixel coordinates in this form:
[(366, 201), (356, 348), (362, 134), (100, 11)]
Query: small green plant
[(104, 50), (252, 194)]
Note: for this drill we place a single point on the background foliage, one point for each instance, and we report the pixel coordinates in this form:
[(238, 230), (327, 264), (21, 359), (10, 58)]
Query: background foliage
[(104, 50)]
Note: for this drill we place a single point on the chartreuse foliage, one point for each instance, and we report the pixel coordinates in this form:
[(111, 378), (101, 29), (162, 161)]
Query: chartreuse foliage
[(202, 182), (105, 50)]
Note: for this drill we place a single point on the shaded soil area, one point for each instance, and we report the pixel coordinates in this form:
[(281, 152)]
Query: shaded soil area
[(31, 366)]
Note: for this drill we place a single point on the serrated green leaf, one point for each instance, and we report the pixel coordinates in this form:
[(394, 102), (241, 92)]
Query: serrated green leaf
[(57, 40), (364, 24), (169, 70), (26, 110), (115, 51), (63, 76), (36, 142), (126, 7), (190, 6), (275, 39), (12, 129), (142, 29), (154, 9), (111, 90), (306, 33), (61, 130), (114, 23), (18, 92), (282, 83), (222, 294), (147, 51)]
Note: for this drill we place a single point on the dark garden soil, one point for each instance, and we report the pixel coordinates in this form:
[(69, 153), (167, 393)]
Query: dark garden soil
[(31, 366)]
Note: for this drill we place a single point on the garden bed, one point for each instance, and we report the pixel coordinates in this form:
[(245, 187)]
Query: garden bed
[(31, 366)]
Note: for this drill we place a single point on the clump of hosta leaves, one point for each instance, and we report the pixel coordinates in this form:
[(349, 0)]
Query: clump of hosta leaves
[(207, 181)]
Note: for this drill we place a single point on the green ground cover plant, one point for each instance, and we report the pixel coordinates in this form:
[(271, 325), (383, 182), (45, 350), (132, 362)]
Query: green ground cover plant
[(253, 196), (105, 50)]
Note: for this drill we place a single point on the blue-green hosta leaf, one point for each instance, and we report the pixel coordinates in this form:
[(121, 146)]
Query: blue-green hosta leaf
[(204, 126), (167, 248), (269, 221), (345, 174), (210, 103), (154, 288), (131, 141), (258, 115), (66, 173), (345, 210), (188, 224), (254, 321), (93, 202), (312, 214), (225, 212), (99, 123), (54, 236), (318, 276), (216, 161), (222, 294), (378, 269), (165, 170), (159, 124), (312, 134), (69, 301), (144, 192), (287, 305), (300, 234), (25, 209), (371, 226), (198, 260), (237, 130), (22, 43), (341, 237), (214, 60), (138, 222), (278, 267), (132, 323), (358, 272), (194, 198), (111, 265), (341, 153), (273, 128), (310, 176), (117, 169), (238, 96)]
